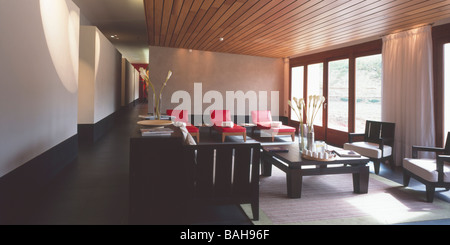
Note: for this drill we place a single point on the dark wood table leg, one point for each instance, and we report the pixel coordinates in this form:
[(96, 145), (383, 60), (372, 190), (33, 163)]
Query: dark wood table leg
[(266, 167), (294, 180), (361, 180)]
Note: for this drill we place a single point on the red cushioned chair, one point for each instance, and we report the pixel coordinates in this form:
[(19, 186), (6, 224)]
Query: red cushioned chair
[(220, 116), (263, 121), (182, 116)]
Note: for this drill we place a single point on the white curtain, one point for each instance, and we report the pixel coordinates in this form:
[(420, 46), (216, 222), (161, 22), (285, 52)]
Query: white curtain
[(408, 89)]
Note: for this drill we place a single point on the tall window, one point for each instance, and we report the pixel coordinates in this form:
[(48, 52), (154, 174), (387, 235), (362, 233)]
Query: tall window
[(338, 95), (315, 87), (352, 79), (368, 90), (446, 89), (296, 86)]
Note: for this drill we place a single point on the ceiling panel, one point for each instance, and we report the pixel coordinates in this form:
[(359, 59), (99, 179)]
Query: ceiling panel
[(281, 28)]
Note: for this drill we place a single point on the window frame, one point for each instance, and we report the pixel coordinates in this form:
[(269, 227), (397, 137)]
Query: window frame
[(328, 86), (440, 36), (306, 86), (290, 116), (332, 136)]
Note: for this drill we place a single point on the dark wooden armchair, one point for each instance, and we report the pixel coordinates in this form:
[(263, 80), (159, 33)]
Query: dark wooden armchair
[(433, 173), (224, 174), (377, 143)]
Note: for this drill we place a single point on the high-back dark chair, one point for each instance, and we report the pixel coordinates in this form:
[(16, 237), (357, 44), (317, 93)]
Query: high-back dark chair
[(431, 172), (377, 144), (224, 174)]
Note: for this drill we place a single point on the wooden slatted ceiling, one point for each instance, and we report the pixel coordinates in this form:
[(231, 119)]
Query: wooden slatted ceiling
[(281, 28)]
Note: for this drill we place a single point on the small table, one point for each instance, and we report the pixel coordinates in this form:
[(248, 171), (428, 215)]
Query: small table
[(250, 126), (293, 165)]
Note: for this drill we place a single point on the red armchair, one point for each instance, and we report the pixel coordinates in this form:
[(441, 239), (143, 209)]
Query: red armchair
[(182, 116), (263, 121), (220, 119)]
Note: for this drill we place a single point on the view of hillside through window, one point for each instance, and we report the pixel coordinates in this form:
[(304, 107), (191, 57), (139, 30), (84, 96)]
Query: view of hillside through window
[(338, 95), (368, 77), (315, 87), (296, 87)]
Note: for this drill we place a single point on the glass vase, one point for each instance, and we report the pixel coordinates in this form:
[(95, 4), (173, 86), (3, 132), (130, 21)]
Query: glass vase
[(158, 107), (310, 139), (302, 137), (152, 106)]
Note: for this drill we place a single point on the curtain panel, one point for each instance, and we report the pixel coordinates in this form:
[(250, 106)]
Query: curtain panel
[(408, 89)]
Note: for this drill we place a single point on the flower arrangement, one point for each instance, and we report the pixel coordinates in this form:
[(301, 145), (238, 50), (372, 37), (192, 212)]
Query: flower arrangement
[(314, 104), (145, 76), (298, 110)]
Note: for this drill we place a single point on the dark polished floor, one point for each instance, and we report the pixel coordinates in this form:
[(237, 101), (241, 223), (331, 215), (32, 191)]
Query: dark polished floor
[(93, 190)]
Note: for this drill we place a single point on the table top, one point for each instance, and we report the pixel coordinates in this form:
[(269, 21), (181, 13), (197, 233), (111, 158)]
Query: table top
[(152, 117), (155, 122), (292, 156), (177, 134)]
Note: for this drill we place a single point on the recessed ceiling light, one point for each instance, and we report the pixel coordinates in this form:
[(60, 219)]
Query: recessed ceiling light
[(115, 36), (221, 39)]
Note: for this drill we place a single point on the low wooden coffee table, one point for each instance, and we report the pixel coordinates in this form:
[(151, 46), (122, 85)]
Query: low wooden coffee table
[(294, 166)]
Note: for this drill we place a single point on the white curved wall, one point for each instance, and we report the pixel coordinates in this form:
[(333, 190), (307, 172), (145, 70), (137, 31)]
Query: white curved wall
[(38, 74)]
